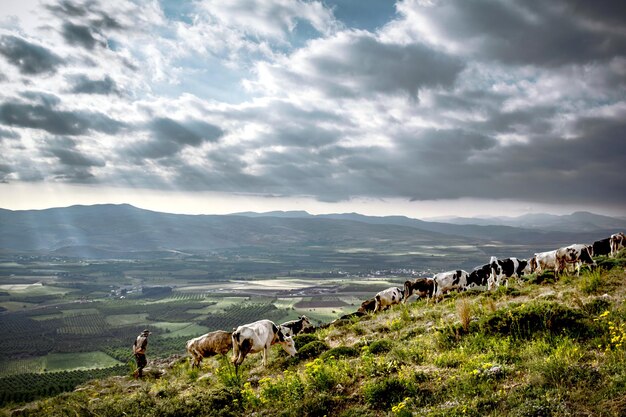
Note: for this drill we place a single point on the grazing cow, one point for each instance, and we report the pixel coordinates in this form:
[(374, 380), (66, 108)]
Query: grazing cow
[(601, 247), (295, 327), (503, 269), (367, 306), (479, 277), (387, 298), (258, 337), (574, 254), (450, 280), (543, 261), (423, 287), (215, 343), (618, 241)]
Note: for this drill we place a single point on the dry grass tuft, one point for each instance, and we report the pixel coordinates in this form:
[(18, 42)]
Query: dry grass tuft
[(464, 311)]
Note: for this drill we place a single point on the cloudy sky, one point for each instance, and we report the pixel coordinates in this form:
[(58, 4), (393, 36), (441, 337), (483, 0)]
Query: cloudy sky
[(414, 107)]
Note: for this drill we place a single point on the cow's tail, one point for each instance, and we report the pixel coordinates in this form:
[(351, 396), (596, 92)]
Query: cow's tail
[(378, 303), (407, 290), (235, 338)]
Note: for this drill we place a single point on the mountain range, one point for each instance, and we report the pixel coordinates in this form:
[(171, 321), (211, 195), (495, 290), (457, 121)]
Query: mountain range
[(108, 230), (580, 221)]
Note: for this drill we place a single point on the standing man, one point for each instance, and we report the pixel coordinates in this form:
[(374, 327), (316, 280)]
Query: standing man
[(139, 350)]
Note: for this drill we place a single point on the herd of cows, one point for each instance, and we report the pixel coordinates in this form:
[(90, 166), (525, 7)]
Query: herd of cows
[(260, 335)]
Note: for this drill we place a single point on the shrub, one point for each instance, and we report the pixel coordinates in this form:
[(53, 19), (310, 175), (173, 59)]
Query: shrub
[(326, 375), (607, 263), (526, 321), (312, 349), (383, 393), (304, 339), (563, 367), (596, 306), (546, 277), (380, 346), (341, 352), (590, 282)]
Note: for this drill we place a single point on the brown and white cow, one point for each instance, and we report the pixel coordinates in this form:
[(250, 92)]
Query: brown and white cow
[(295, 327), (387, 298), (618, 241), (367, 306), (575, 255), (218, 342), (543, 261), (423, 287), (258, 337)]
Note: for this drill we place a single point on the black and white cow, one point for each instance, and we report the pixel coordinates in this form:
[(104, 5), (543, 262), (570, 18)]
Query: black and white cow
[(387, 298), (601, 247), (258, 337), (448, 281), (423, 287), (575, 255), (295, 327), (503, 269), (618, 241), (479, 277)]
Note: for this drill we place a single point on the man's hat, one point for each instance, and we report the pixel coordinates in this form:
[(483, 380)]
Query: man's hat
[(146, 331)]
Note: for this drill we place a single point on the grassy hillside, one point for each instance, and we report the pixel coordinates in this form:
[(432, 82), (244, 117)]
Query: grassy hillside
[(539, 348)]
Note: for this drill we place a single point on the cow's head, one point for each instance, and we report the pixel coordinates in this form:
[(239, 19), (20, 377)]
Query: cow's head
[(306, 323), (523, 264), (288, 345), (532, 265)]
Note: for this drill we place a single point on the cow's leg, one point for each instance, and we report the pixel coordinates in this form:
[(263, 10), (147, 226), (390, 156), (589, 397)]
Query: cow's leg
[(264, 353), (236, 354)]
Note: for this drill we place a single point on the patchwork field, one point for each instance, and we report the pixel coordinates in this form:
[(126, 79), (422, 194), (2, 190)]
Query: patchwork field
[(56, 362)]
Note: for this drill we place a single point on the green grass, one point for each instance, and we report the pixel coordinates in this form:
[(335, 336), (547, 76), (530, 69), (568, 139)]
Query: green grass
[(73, 361), (55, 362), (126, 319), (169, 330)]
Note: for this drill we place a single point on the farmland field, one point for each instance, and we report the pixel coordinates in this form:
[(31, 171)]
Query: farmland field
[(86, 314)]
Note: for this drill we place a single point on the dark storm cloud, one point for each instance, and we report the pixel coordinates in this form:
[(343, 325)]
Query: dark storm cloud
[(168, 137), (68, 8), (190, 132), (536, 32), (84, 85), (548, 169), (31, 59), (46, 117), (9, 134), (98, 19), (5, 171), (358, 64), (66, 152), (446, 163), (79, 35)]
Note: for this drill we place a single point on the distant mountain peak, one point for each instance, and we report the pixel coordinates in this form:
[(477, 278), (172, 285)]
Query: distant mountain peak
[(274, 213)]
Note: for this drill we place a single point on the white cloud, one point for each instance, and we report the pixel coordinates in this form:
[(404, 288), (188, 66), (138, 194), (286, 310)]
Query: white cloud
[(272, 19)]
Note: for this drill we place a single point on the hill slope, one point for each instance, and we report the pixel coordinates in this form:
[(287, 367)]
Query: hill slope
[(543, 348)]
